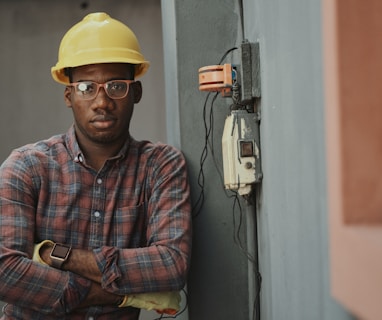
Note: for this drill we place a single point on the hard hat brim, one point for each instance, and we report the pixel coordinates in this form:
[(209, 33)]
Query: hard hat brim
[(58, 72)]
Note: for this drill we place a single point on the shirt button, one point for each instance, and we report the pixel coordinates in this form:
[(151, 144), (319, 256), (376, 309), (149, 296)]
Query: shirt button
[(97, 214), (99, 180)]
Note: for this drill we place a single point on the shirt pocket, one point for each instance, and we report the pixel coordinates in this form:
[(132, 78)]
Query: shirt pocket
[(129, 226)]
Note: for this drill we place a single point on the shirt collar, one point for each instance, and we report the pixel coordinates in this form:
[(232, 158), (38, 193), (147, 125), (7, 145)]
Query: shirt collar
[(75, 150)]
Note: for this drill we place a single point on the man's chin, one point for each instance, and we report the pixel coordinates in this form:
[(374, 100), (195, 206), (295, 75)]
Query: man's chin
[(104, 138), (107, 138)]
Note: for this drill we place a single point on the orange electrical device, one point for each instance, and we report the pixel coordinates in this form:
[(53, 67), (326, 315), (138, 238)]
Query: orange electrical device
[(217, 78)]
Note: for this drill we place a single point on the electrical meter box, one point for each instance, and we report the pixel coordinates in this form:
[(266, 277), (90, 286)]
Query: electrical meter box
[(241, 151)]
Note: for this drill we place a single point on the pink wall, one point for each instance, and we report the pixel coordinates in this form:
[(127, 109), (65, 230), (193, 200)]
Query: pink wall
[(353, 87)]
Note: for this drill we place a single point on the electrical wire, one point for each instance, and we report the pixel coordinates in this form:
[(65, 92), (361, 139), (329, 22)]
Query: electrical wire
[(209, 147), (252, 259), (208, 142), (226, 54), (241, 17), (197, 207), (256, 302), (236, 236)]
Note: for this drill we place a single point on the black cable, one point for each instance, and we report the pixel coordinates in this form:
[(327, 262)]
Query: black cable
[(208, 130), (256, 302), (237, 240), (241, 17), (197, 207), (236, 235), (237, 105), (226, 54)]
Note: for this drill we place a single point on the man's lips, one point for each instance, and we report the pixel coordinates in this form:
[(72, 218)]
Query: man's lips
[(103, 121)]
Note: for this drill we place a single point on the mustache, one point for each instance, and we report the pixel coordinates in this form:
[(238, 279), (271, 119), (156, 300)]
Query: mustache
[(103, 117)]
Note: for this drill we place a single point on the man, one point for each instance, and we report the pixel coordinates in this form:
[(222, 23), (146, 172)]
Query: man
[(105, 217)]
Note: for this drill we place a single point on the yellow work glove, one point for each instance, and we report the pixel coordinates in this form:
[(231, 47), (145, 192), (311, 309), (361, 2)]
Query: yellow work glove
[(36, 251), (162, 302)]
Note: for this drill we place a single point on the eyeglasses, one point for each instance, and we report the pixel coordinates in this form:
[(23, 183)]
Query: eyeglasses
[(115, 89)]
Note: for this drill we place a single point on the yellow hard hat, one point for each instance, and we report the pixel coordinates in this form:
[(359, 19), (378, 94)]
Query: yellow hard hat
[(98, 38)]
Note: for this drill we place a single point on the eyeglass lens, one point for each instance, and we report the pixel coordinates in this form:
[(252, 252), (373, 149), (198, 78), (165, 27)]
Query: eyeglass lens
[(116, 89)]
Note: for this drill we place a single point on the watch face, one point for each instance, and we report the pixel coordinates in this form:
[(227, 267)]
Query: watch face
[(60, 251)]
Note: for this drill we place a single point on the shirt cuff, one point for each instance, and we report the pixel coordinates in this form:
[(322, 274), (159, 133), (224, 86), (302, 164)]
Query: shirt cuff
[(78, 289), (107, 258)]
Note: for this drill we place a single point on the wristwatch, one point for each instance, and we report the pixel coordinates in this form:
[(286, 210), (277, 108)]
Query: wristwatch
[(59, 255)]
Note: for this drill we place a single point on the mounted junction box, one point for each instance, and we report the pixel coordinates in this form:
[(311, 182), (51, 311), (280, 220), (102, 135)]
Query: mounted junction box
[(241, 151), (240, 141), (250, 71)]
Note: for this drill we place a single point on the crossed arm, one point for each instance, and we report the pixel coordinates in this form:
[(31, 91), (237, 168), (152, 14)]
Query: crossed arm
[(83, 263)]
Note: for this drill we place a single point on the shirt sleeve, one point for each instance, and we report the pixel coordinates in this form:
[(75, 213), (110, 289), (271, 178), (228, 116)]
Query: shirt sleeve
[(162, 264), (23, 281)]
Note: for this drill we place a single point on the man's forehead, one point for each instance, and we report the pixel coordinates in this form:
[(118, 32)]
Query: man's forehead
[(117, 69)]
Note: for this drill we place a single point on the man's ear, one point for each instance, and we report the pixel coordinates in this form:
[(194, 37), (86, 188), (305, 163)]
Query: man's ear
[(67, 96), (137, 91)]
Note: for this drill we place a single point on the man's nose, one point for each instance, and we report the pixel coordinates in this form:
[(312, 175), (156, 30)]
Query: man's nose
[(102, 100)]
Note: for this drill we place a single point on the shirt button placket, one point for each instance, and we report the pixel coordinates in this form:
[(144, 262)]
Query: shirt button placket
[(97, 212)]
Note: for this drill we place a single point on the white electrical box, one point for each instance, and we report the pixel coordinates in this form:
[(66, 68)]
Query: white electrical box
[(241, 151)]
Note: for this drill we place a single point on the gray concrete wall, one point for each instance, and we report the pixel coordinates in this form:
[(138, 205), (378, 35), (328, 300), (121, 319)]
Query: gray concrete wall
[(202, 32), (292, 201), (293, 230), (32, 105)]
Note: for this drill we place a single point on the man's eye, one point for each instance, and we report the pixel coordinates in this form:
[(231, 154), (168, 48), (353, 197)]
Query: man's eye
[(117, 86)]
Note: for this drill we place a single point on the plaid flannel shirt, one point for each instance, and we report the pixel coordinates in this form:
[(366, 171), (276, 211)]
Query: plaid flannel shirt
[(134, 214)]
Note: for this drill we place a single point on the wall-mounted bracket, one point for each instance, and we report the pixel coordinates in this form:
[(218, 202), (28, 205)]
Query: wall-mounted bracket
[(217, 78)]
